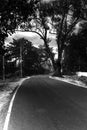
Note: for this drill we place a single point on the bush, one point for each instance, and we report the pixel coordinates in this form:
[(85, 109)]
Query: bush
[(83, 79)]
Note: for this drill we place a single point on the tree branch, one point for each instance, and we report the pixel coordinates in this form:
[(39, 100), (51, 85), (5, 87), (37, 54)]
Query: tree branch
[(74, 23), (61, 26), (40, 31)]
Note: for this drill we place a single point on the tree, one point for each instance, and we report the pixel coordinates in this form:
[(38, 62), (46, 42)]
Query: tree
[(64, 17), (39, 23), (30, 58), (31, 62), (66, 14), (12, 13), (76, 52), (45, 59), (17, 49)]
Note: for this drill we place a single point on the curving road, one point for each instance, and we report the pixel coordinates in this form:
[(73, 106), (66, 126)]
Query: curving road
[(42, 103)]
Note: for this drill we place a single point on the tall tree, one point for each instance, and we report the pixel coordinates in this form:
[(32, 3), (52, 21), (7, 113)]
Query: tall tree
[(39, 24), (77, 50), (17, 49), (66, 14), (12, 13)]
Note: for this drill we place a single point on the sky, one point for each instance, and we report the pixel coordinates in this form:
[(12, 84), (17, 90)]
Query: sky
[(34, 38)]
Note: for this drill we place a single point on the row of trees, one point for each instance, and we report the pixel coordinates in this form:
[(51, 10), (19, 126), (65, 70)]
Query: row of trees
[(41, 17), (12, 13), (22, 59)]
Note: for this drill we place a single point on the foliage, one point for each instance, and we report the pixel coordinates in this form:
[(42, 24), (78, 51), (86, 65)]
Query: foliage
[(32, 57), (12, 13), (39, 24), (66, 14), (76, 52), (35, 16)]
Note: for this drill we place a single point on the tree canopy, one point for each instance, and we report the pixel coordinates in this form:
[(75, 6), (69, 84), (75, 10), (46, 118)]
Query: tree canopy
[(32, 58), (41, 17), (66, 15)]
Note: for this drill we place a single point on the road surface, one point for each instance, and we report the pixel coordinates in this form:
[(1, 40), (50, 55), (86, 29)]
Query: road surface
[(42, 103)]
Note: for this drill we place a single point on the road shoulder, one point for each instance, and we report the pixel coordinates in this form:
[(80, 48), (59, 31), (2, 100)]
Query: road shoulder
[(70, 81)]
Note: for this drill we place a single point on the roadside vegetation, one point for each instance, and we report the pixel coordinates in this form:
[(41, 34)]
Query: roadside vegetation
[(66, 19)]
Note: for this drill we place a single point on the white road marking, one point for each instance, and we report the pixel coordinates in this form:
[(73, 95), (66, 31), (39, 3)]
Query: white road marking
[(70, 82), (7, 119)]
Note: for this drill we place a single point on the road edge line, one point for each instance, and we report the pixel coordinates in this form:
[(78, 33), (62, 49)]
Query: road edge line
[(7, 119), (76, 84)]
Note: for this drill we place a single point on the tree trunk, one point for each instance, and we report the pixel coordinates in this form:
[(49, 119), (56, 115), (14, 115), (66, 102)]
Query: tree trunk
[(48, 50), (59, 66), (53, 62), (50, 54)]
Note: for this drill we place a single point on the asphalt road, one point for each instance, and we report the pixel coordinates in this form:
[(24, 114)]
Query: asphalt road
[(42, 103)]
